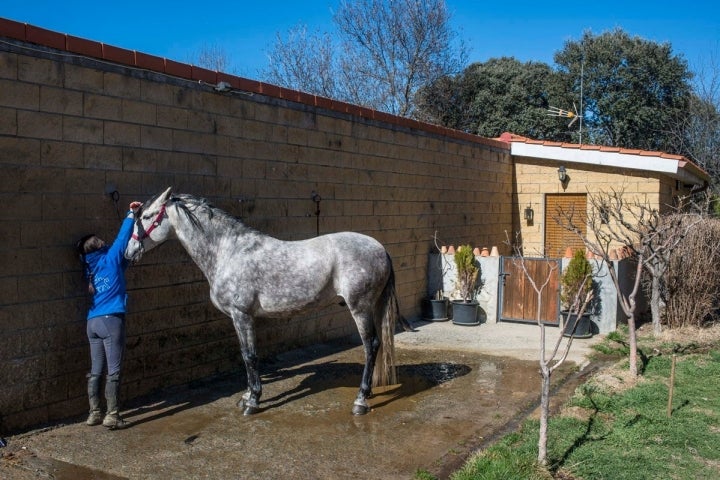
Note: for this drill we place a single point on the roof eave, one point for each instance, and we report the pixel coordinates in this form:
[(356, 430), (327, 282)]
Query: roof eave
[(678, 169)]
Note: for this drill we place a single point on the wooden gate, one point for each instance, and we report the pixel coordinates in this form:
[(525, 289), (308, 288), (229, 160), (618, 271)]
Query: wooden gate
[(518, 298)]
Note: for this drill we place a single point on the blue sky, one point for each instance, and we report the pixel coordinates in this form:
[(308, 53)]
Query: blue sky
[(246, 30)]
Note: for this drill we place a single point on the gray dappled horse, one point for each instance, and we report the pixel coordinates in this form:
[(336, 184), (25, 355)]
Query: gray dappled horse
[(253, 275)]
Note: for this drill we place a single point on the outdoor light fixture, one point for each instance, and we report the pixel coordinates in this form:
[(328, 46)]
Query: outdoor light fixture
[(562, 174), (529, 214)]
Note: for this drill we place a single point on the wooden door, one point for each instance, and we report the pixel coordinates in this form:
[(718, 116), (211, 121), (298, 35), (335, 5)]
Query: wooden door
[(518, 298)]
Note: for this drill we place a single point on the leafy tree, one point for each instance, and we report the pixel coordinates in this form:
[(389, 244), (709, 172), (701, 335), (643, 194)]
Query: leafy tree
[(633, 90), (502, 94), (386, 50)]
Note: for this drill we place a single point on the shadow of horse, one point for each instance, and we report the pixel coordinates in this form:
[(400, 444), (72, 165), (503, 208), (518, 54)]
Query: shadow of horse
[(318, 377)]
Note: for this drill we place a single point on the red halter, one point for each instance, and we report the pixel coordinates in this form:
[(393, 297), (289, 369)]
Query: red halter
[(155, 224)]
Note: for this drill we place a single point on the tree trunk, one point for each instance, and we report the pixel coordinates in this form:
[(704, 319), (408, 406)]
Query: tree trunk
[(632, 304), (544, 414), (656, 305), (632, 337)]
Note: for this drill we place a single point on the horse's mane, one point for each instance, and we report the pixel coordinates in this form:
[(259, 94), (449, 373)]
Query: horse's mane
[(201, 206)]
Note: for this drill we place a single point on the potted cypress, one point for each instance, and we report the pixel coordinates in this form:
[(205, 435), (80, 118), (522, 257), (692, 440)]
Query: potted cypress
[(465, 309), (575, 284)]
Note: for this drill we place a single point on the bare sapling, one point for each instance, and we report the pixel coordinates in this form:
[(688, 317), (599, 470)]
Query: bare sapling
[(557, 356)]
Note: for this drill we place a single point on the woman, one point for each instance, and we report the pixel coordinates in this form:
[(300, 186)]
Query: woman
[(105, 271)]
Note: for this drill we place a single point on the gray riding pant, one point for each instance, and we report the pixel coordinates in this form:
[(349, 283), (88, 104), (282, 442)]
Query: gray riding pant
[(107, 343)]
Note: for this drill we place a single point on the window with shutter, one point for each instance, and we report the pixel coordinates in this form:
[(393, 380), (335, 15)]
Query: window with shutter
[(557, 238)]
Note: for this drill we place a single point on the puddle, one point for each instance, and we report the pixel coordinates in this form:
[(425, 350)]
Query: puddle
[(27, 465)]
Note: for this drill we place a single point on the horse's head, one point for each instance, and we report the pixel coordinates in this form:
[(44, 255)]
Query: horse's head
[(151, 227)]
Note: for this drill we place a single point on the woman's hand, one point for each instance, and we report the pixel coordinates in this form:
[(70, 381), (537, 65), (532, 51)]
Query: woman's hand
[(135, 206)]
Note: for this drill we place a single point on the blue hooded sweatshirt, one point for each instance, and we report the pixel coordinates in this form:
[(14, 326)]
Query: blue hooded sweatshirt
[(106, 267)]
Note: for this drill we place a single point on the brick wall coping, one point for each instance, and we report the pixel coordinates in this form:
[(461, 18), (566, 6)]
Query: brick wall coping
[(109, 53)]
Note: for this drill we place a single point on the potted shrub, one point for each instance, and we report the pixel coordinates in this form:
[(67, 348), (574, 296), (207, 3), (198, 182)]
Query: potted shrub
[(575, 283), (465, 309)]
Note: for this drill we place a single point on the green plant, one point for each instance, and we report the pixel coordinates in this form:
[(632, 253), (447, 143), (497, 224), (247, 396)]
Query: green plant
[(575, 281), (467, 272), (592, 439)]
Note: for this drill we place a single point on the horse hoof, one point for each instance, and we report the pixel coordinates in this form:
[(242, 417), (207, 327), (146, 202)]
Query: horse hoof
[(360, 409), (250, 410), (247, 409)]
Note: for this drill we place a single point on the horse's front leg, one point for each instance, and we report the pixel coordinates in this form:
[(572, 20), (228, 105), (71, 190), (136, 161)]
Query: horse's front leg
[(371, 344), (245, 328)]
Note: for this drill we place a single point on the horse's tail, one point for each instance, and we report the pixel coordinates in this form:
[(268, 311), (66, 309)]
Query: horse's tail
[(387, 314)]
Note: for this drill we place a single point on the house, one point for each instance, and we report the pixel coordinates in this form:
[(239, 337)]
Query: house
[(654, 178)]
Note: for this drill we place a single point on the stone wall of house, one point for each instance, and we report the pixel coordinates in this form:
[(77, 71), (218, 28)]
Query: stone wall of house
[(80, 138), (536, 178)]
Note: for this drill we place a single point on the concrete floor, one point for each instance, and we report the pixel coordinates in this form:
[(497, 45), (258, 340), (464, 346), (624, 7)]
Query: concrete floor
[(459, 387)]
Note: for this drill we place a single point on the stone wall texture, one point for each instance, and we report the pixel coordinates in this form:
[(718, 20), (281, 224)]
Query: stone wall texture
[(80, 138)]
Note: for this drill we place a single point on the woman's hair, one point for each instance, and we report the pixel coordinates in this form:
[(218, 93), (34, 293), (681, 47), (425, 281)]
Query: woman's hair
[(88, 244)]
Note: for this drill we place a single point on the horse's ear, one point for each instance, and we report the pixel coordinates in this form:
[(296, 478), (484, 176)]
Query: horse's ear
[(166, 195)]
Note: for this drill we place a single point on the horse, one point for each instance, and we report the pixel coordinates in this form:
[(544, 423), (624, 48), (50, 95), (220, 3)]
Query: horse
[(253, 276)]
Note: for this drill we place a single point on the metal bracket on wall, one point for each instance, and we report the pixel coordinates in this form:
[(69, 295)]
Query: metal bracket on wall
[(316, 198)]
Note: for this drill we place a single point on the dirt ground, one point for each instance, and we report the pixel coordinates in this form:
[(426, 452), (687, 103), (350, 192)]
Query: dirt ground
[(460, 388)]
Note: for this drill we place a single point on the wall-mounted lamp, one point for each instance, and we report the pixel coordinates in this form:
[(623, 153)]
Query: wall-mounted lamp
[(529, 214), (562, 174)]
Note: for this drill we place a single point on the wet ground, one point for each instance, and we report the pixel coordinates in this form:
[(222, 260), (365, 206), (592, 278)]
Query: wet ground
[(460, 387)]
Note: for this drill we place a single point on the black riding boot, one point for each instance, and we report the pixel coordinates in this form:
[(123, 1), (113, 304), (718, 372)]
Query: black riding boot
[(112, 418), (95, 417)]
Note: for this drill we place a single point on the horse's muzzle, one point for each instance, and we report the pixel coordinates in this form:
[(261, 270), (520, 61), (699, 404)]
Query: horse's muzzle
[(134, 250)]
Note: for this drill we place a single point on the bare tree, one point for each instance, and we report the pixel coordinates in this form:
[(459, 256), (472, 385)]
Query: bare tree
[(606, 223), (304, 61), (693, 289), (213, 57), (385, 52), (549, 363), (697, 135), (642, 234), (660, 235)]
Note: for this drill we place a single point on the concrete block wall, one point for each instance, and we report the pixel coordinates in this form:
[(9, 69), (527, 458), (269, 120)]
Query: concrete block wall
[(606, 312), (77, 133), (442, 274)]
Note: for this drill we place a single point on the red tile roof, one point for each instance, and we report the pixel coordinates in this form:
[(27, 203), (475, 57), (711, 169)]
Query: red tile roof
[(511, 137)]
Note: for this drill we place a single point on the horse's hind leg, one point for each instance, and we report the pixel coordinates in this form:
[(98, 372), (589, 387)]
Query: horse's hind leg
[(371, 344), (244, 326)]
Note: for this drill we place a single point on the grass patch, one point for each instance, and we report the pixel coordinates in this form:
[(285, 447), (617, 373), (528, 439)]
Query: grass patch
[(625, 433)]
